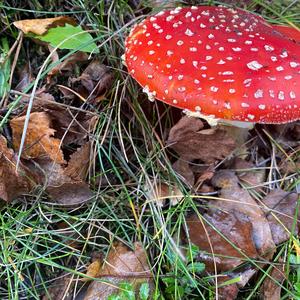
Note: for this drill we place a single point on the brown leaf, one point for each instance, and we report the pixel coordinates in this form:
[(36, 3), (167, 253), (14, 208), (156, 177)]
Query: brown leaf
[(61, 289), (96, 79), (68, 64), (12, 183), (281, 219), (41, 26), (161, 191), (227, 292), (25, 77), (248, 173), (121, 264), (238, 199), (70, 193), (78, 163), (39, 140), (71, 126), (61, 187), (182, 168), (270, 289), (93, 270), (235, 226), (191, 142)]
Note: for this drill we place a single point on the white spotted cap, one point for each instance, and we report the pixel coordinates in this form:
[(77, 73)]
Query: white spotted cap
[(225, 62)]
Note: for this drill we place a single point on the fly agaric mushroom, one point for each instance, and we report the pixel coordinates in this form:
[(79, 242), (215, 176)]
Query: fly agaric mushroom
[(290, 32), (217, 61)]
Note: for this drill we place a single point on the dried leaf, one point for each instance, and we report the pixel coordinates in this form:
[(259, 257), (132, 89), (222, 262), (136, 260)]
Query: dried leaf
[(236, 228), (121, 264), (71, 127), (282, 218), (70, 193), (270, 289), (61, 187), (12, 183), (191, 142), (61, 289), (68, 64), (39, 140), (182, 168), (238, 199), (249, 174), (96, 79), (93, 270), (25, 78), (41, 26), (78, 163), (227, 292), (160, 192)]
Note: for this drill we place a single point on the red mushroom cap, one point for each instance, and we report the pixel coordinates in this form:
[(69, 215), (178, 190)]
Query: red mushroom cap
[(290, 32), (217, 61)]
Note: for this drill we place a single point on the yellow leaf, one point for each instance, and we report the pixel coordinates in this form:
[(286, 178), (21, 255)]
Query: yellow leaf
[(93, 270), (39, 140), (41, 26)]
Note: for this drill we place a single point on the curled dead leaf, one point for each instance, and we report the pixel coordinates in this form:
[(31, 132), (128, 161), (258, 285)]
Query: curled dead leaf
[(96, 80), (39, 140), (71, 126), (41, 26), (121, 264), (13, 183), (68, 64), (188, 141), (93, 270), (78, 163), (66, 185)]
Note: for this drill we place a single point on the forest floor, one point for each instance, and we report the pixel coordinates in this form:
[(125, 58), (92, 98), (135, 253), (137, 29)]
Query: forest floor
[(111, 196)]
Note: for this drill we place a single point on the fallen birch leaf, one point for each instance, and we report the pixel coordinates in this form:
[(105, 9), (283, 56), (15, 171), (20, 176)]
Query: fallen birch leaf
[(121, 265), (191, 142), (41, 26), (39, 140), (12, 183)]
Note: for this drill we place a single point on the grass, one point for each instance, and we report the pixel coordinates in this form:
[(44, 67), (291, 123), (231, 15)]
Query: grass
[(41, 241)]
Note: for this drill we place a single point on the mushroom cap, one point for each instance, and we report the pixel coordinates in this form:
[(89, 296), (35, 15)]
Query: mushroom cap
[(221, 62), (288, 31)]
